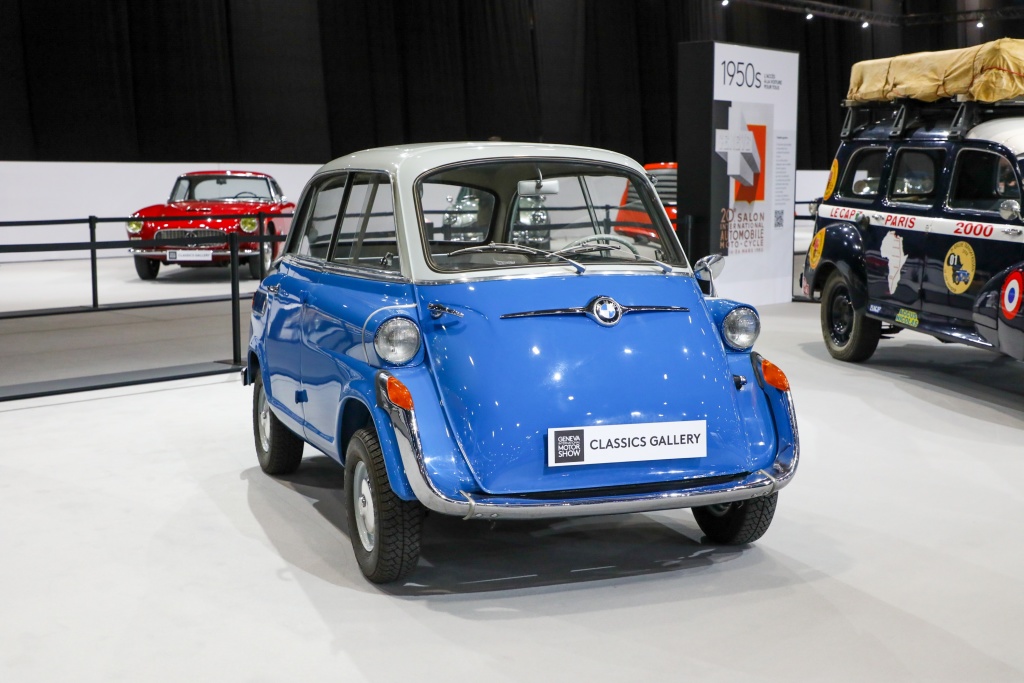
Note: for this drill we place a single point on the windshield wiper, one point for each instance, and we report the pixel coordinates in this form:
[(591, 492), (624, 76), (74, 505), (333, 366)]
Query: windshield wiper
[(588, 248), (505, 247)]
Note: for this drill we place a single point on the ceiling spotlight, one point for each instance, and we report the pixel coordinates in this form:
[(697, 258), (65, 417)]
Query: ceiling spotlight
[(865, 25), (981, 22), (809, 16), (725, 3)]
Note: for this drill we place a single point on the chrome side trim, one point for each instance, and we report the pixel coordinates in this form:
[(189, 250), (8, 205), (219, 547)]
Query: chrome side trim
[(482, 506), (585, 310)]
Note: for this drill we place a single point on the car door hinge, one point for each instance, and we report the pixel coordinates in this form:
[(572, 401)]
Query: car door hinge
[(300, 396)]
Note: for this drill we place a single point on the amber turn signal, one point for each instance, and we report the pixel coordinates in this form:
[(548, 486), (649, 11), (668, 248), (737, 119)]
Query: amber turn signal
[(771, 373), (399, 394)]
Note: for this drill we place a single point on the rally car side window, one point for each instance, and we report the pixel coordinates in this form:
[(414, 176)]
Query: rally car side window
[(914, 176), (982, 180), (864, 174)]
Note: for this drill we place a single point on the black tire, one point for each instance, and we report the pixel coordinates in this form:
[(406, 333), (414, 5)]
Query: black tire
[(278, 449), (267, 255), (737, 523), (849, 335), (147, 268), (384, 529)]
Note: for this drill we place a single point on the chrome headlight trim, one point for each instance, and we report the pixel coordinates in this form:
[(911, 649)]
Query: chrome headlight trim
[(740, 328), (397, 340)]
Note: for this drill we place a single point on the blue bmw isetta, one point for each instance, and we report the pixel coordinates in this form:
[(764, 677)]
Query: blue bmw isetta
[(463, 327)]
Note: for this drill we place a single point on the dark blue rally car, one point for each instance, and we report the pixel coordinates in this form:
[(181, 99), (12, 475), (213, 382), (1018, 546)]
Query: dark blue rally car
[(466, 328), (920, 227)]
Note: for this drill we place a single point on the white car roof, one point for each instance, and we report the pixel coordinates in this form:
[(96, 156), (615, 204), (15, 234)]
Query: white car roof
[(409, 161), (1008, 132)]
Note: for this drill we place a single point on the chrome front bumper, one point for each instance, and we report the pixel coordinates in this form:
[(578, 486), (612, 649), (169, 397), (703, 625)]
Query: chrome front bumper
[(483, 506), (217, 252)]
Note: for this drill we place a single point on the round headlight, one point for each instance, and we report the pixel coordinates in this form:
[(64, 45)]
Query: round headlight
[(397, 340), (134, 227), (740, 328), (248, 224)]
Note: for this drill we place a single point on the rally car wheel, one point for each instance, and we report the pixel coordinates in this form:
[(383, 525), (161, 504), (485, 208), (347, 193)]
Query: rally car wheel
[(384, 529), (147, 268), (278, 449), (736, 523), (849, 334)]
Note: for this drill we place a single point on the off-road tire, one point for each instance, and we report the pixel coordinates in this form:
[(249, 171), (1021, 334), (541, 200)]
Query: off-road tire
[(278, 449), (397, 523), (737, 523), (147, 268), (849, 335)]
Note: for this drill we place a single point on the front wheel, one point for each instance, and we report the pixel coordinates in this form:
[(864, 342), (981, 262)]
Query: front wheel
[(278, 449), (147, 268), (736, 523), (849, 334), (384, 529)]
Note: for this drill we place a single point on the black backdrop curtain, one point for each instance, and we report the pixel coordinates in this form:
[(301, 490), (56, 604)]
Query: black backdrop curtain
[(309, 80)]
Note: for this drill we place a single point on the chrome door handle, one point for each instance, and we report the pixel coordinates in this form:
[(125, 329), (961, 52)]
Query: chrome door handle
[(1012, 231), (272, 289)]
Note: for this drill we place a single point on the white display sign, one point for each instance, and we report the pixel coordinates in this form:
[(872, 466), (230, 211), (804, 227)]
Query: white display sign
[(602, 444), (756, 91)]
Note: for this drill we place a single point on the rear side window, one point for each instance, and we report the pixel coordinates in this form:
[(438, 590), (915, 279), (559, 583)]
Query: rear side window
[(914, 176), (982, 181), (320, 218), (864, 174)]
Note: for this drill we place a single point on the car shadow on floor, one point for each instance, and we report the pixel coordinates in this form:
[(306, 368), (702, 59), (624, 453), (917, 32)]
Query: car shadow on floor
[(954, 370), (462, 557)]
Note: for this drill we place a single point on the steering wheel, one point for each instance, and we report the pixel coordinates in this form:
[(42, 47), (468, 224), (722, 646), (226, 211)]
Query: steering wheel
[(246, 193), (603, 238)]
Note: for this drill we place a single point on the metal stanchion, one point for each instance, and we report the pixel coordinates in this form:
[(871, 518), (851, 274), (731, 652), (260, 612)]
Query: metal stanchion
[(236, 336), (263, 245), (92, 261)]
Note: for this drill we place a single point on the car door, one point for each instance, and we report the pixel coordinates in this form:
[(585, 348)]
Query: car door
[(971, 243), (362, 275), (899, 232)]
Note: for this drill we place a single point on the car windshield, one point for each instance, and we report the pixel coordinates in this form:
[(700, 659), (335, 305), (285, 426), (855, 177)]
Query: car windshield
[(514, 212), (220, 188)]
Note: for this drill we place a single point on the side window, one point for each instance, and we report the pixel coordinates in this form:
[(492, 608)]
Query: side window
[(982, 180), (320, 218), (367, 234), (914, 176), (864, 174)]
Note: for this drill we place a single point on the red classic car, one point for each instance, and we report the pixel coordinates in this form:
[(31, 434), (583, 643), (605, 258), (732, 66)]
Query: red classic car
[(632, 219), (215, 194)]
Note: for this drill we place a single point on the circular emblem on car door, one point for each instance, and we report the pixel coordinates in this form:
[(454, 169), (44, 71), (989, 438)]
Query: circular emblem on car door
[(605, 310)]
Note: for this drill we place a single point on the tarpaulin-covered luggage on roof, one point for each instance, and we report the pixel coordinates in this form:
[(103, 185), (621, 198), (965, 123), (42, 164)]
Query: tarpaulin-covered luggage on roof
[(987, 73)]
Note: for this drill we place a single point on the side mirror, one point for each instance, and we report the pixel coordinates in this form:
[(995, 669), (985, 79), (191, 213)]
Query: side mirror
[(529, 188), (1009, 209), (708, 268)]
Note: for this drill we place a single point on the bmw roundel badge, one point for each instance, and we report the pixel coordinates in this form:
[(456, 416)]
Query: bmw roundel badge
[(605, 310)]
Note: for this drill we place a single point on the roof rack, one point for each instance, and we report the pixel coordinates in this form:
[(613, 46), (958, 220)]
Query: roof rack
[(966, 114)]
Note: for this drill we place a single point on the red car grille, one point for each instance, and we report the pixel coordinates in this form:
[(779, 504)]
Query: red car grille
[(179, 233)]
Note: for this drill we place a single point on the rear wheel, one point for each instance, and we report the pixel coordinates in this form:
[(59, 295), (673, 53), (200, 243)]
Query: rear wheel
[(385, 530), (737, 523), (147, 268), (849, 334), (278, 449)]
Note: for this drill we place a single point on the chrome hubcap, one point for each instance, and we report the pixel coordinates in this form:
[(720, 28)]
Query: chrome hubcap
[(362, 503), (719, 510), (263, 419)]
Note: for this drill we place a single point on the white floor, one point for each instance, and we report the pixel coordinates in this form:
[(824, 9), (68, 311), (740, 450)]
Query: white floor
[(142, 543), (32, 285)]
